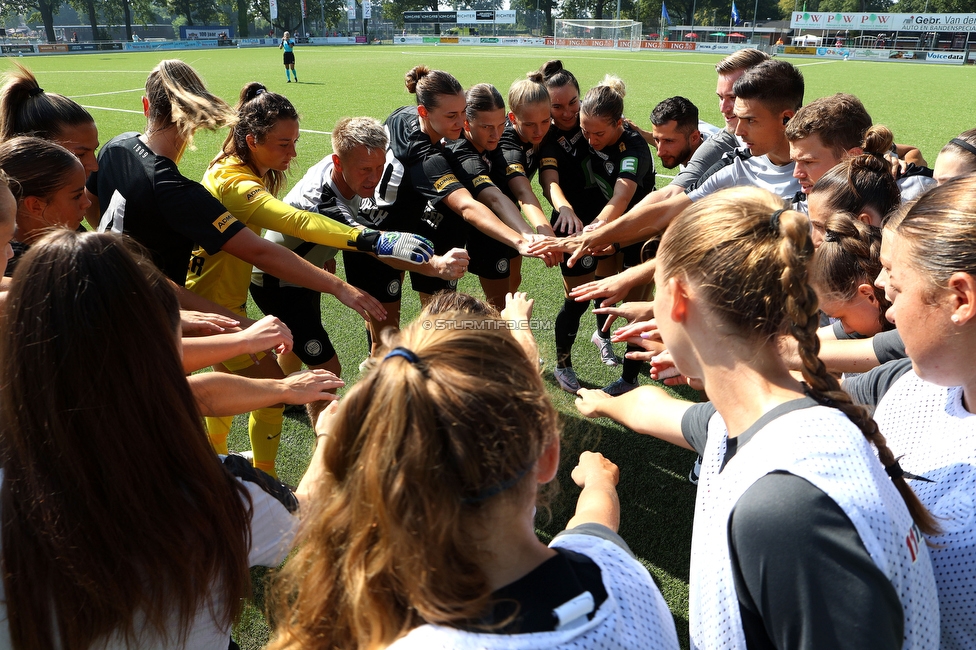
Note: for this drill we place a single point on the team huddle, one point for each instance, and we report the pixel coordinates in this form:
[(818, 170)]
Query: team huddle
[(815, 279)]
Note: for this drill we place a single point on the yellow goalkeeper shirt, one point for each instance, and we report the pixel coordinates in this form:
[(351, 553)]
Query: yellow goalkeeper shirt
[(223, 278)]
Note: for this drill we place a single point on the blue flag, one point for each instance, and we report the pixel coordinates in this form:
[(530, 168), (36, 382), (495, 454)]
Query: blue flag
[(735, 14), (665, 18)]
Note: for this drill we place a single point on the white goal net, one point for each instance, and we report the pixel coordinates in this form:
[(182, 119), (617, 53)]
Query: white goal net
[(588, 32)]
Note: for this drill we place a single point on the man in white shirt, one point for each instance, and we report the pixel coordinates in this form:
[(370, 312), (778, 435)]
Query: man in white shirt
[(766, 97)]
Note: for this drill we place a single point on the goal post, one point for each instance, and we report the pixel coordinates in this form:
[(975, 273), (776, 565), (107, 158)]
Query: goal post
[(589, 32)]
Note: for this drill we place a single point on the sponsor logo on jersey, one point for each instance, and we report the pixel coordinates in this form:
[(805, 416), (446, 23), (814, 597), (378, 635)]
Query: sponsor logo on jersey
[(393, 288), (502, 265), (514, 168), (549, 162), (480, 180), (913, 540), (622, 148), (432, 216), (629, 165), (196, 265), (224, 221), (314, 348), (370, 214), (444, 182), (253, 193)]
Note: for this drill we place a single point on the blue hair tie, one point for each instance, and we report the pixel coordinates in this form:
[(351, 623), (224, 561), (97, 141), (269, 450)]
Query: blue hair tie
[(403, 352), (498, 488)]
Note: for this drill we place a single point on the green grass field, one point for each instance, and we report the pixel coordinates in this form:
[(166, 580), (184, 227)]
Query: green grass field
[(656, 497)]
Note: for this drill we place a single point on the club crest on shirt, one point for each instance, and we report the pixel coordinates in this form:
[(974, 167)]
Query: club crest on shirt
[(608, 166)]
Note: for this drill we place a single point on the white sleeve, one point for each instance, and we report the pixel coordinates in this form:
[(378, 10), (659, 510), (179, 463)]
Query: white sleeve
[(273, 528), (720, 180)]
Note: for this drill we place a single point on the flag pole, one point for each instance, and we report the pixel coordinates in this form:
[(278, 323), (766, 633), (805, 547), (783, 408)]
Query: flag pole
[(755, 12)]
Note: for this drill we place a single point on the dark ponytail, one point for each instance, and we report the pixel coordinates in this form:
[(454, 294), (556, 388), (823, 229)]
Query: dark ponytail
[(25, 109), (480, 98), (258, 111), (429, 85)]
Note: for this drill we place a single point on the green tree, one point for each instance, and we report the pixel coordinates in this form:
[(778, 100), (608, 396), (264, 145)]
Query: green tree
[(546, 7), (127, 12), (194, 11), (44, 9), (393, 10), (480, 4), (87, 7)]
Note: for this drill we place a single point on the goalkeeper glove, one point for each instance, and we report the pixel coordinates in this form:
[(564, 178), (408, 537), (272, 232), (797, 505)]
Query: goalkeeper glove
[(404, 246)]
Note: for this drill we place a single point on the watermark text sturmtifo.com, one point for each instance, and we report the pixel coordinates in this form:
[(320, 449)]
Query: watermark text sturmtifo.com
[(487, 324)]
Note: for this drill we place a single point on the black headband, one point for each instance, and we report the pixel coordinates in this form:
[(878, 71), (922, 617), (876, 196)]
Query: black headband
[(965, 145)]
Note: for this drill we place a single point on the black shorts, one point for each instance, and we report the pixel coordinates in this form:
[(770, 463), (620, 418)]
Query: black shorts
[(446, 230), (585, 264), (632, 254), (289, 58), (300, 309), (490, 258), (366, 272)]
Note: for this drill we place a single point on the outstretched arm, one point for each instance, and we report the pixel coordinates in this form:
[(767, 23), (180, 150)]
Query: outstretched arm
[(640, 222), (266, 334), (598, 503), (567, 222), (220, 394), (646, 409), (282, 263)]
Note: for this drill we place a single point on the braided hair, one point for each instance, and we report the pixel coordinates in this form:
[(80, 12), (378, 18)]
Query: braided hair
[(749, 259)]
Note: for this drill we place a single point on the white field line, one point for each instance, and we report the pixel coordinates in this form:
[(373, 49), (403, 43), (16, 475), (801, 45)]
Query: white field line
[(113, 92), (127, 110), (118, 110), (588, 58)]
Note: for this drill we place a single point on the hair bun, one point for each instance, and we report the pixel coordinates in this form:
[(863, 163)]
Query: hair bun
[(550, 68), (413, 77)]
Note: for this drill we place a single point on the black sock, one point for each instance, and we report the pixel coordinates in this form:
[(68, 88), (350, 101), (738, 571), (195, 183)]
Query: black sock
[(567, 326), (631, 367), (601, 321)]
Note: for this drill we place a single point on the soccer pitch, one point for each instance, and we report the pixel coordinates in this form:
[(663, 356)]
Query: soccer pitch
[(924, 105)]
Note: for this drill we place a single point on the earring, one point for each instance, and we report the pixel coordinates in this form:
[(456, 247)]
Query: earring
[(955, 318)]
